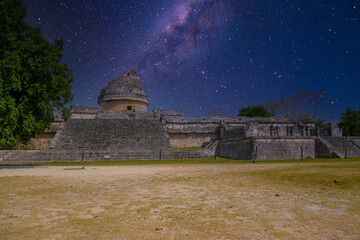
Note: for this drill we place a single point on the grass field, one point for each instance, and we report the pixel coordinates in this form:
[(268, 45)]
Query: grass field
[(313, 199), (211, 160)]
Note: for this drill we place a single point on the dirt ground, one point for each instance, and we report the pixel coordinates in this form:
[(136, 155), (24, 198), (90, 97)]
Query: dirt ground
[(182, 201)]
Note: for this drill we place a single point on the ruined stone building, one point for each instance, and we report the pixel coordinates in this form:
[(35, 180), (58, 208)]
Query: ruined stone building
[(123, 129), (124, 93)]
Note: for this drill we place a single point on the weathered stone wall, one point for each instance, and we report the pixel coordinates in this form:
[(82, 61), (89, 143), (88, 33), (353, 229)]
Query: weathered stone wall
[(121, 105), (181, 140), (187, 132), (284, 148), (239, 149), (233, 133), (323, 150), (264, 129), (41, 142), (84, 113), (104, 114), (192, 127), (56, 126), (267, 148), (182, 130)]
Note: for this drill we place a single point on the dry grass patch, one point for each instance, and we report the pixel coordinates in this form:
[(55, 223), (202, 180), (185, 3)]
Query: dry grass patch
[(222, 201)]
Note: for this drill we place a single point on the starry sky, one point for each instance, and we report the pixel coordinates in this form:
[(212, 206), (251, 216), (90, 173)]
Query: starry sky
[(197, 55)]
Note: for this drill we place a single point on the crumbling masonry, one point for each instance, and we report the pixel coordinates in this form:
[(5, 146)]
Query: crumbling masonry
[(123, 129)]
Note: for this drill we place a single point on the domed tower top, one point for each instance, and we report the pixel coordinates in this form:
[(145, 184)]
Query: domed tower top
[(124, 93)]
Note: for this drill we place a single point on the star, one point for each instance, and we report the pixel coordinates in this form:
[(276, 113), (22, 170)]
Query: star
[(229, 48)]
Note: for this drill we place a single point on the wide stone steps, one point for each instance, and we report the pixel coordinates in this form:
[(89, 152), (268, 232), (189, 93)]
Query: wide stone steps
[(342, 144), (112, 134)]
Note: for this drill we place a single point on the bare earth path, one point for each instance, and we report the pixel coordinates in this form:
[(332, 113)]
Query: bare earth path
[(182, 201)]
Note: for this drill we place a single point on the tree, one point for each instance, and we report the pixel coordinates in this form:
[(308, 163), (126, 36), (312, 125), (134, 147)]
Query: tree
[(304, 105), (273, 108), (217, 112), (33, 82), (254, 111), (350, 122)]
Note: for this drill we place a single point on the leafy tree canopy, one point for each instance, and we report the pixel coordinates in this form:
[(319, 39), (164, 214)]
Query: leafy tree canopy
[(254, 111), (33, 82), (350, 122)]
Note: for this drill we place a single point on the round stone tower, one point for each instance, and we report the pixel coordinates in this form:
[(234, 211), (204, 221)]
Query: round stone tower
[(124, 93)]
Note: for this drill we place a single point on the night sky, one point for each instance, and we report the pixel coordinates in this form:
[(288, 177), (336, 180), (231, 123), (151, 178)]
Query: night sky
[(196, 55)]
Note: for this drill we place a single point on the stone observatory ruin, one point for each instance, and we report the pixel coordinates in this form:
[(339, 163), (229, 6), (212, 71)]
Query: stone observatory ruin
[(124, 93), (122, 129)]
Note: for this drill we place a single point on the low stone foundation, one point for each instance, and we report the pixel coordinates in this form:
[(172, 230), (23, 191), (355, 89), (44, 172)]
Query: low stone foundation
[(36, 156), (267, 148), (239, 149), (285, 148)]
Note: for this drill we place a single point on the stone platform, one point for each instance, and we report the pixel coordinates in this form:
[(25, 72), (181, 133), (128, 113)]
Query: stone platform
[(44, 156), (267, 148)]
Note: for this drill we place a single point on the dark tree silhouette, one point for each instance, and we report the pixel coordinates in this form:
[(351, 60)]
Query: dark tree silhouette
[(303, 106), (350, 122), (254, 111), (33, 82)]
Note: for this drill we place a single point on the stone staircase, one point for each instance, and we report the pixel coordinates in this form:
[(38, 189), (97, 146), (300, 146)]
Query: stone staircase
[(110, 139), (355, 140), (212, 146), (3, 155), (112, 134), (340, 147)]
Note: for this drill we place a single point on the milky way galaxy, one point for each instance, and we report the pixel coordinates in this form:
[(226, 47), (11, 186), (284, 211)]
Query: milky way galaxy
[(196, 55), (182, 35)]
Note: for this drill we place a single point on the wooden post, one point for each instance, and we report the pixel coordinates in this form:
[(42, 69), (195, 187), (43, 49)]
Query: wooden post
[(216, 157), (346, 153), (82, 156), (160, 156), (302, 153), (228, 157), (255, 155)]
